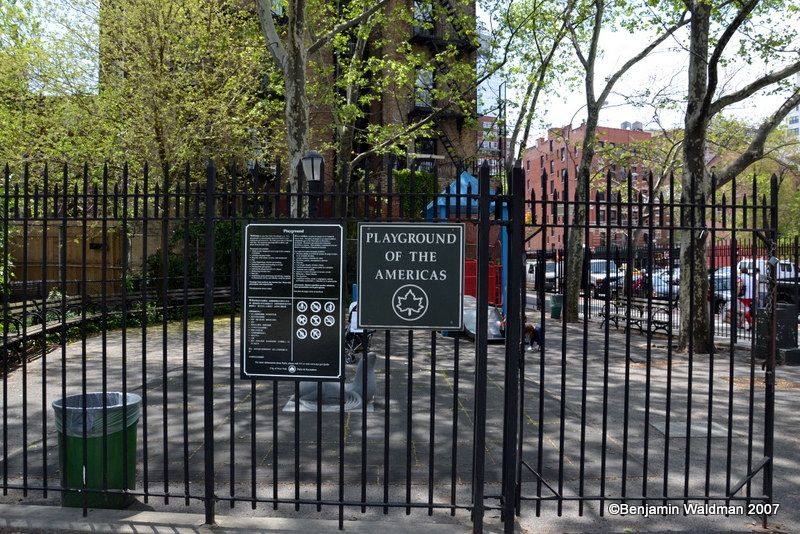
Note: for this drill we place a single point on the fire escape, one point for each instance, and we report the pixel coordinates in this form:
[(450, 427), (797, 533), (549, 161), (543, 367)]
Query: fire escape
[(428, 32)]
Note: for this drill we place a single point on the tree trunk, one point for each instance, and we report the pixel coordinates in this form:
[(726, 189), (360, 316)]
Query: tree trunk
[(523, 114), (343, 167), (694, 323), (297, 107), (575, 240)]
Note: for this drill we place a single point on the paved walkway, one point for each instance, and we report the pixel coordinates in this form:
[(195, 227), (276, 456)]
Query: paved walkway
[(249, 423)]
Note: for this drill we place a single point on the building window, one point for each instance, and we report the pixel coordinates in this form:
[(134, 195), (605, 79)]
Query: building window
[(794, 120), (541, 161), (794, 131), (563, 154), (552, 166), (423, 88), (425, 147), (527, 165), (551, 145)]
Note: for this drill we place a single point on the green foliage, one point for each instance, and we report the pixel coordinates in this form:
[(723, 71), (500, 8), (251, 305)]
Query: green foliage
[(227, 253), (165, 81), (419, 188)]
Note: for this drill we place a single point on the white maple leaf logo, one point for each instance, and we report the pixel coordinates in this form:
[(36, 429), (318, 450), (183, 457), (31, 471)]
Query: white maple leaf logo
[(409, 303)]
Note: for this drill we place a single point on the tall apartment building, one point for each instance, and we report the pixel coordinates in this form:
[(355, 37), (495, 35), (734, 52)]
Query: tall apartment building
[(491, 143), (558, 156), (793, 119)]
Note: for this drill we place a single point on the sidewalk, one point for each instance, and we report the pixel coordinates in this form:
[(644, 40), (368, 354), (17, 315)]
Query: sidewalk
[(47, 519)]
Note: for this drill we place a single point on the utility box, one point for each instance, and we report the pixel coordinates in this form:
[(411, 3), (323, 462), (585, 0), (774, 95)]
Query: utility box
[(786, 334)]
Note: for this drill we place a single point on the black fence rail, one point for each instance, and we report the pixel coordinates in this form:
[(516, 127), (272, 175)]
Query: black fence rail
[(597, 410)]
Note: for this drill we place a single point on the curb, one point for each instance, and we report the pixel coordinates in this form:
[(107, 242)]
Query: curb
[(55, 519)]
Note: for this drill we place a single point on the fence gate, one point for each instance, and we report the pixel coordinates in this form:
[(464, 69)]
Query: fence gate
[(617, 412)]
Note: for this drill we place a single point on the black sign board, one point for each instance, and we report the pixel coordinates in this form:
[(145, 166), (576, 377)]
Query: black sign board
[(292, 319), (410, 275)]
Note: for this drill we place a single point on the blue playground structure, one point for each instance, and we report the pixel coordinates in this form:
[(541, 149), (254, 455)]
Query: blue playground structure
[(438, 209)]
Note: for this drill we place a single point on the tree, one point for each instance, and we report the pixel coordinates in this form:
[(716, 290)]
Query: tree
[(354, 35), (184, 79), (598, 15), (150, 80), (290, 53), (538, 62), (765, 32)]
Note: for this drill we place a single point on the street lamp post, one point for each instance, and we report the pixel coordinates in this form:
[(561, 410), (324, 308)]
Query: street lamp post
[(313, 170)]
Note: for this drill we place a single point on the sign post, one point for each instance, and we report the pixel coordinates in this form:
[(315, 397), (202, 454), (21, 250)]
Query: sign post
[(292, 313), (411, 275)]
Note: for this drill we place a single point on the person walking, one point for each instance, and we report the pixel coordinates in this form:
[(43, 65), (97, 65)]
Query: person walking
[(746, 290)]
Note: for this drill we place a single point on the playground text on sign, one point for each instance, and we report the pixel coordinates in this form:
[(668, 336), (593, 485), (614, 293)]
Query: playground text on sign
[(411, 275)]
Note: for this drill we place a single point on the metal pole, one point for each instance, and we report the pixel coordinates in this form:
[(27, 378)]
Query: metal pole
[(769, 377), (481, 330), (208, 345), (513, 347)]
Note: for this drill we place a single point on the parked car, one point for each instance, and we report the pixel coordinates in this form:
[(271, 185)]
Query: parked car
[(604, 276), (719, 288), (664, 286), (657, 286), (549, 275)]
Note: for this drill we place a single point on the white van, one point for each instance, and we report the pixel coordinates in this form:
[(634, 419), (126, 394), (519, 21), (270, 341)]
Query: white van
[(786, 269)]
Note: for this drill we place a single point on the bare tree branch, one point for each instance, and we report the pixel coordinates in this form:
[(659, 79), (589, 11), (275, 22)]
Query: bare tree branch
[(641, 55), (755, 150), (577, 46), (724, 39), (765, 81)]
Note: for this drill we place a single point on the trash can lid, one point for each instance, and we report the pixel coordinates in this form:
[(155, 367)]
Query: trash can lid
[(94, 401)]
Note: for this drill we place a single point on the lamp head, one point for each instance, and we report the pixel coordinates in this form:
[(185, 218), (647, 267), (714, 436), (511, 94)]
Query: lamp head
[(312, 166)]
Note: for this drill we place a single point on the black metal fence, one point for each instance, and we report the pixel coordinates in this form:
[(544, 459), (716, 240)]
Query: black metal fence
[(632, 418), (436, 437)]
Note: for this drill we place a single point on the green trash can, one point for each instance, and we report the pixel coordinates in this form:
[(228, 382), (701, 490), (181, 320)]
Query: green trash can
[(556, 303), (120, 467)]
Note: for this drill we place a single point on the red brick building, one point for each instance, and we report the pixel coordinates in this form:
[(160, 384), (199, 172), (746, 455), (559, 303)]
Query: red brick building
[(558, 157)]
